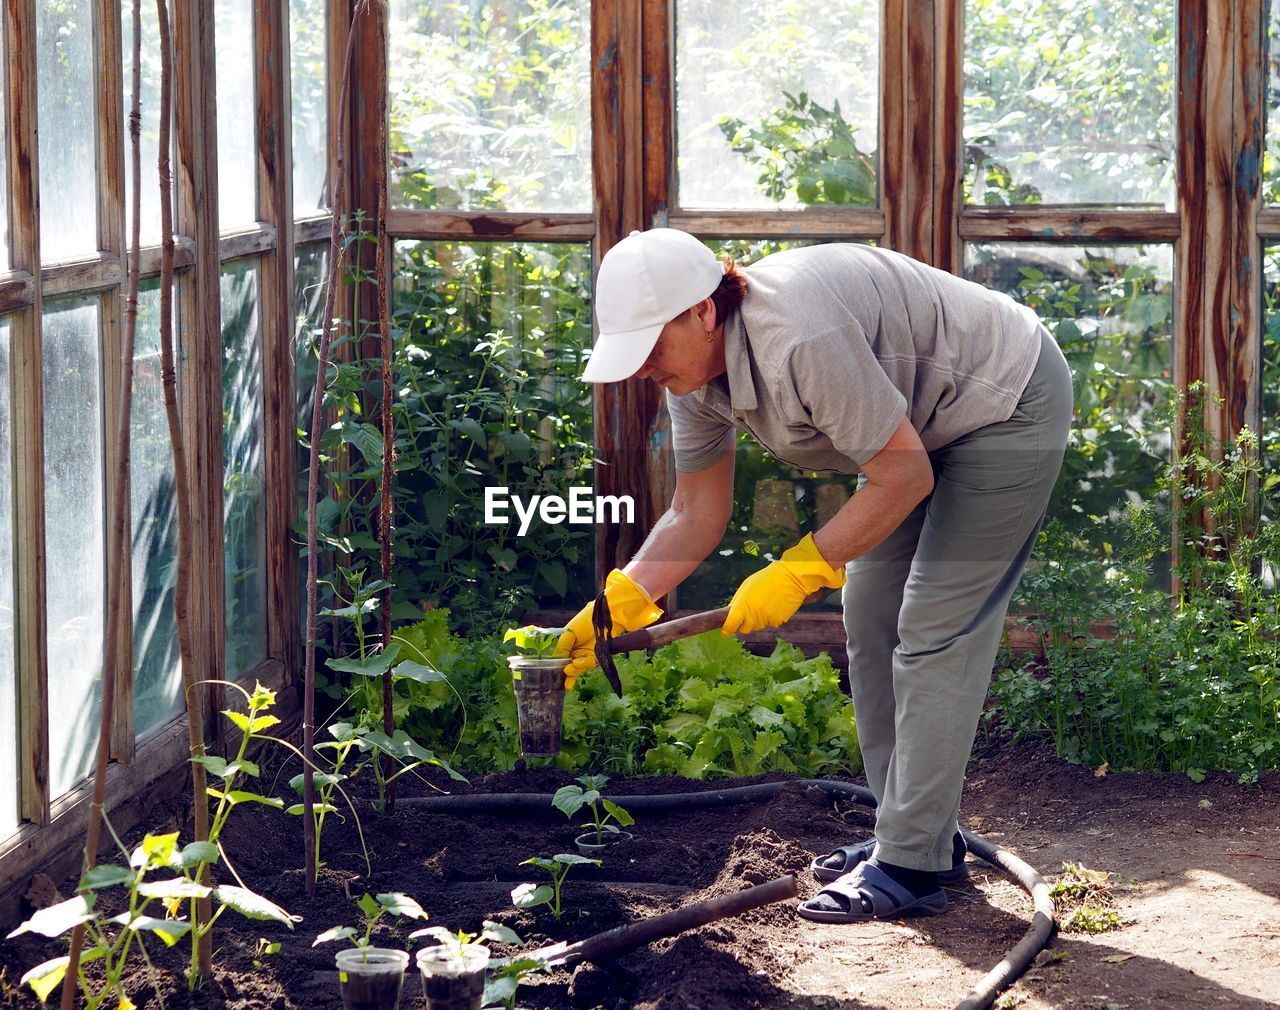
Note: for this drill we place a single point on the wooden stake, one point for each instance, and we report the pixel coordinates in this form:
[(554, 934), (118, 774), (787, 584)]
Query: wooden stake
[(119, 510), (336, 245)]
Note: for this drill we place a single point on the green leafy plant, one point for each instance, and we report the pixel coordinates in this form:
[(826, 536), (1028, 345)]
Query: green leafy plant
[(374, 907), (558, 867), (533, 641), (505, 976), (1084, 900), (151, 907), (587, 792)]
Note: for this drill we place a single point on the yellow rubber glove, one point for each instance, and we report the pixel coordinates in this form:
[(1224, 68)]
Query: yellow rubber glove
[(768, 598), (630, 609)]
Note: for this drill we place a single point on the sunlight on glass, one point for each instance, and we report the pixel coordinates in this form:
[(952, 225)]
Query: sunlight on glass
[(307, 51), (491, 104), (777, 103), (68, 154), (237, 147), (157, 683), (1271, 149), (1069, 104), (150, 123), (244, 505), (74, 535), (8, 677), (1111, 310)]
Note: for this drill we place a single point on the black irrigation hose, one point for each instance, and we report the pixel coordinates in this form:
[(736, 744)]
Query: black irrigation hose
[(1015, 962)]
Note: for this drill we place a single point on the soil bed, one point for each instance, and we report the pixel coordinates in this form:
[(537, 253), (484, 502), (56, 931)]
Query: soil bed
[(1199, 866)]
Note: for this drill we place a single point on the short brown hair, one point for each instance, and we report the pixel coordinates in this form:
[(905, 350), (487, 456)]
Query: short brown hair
[(733, 288)]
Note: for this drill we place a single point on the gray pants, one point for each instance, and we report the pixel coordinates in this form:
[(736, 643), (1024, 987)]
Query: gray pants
[(924, 612)]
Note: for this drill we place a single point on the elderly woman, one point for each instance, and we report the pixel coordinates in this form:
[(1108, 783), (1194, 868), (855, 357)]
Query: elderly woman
[(952, 404)]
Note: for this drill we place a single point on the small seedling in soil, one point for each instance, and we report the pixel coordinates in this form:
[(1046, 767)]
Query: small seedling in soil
[(500, 989), (374, 908), (558, 866), (1083, 900), (538, 643), (263, 951), (570, 799)]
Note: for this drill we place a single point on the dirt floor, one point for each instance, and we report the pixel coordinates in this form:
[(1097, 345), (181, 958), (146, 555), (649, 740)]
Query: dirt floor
[(1197, 871)]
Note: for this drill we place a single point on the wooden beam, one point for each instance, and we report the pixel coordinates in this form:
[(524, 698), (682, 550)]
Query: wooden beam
[(313, 229), (948, 139), (27, 403), (1268, 223), (1066, 224), (108, 58), (200, 364), (907, 129), (275, 209), (249, 242), (17, 291), (488, 226), (184, 256), (849, 223), (100, 273), (1234, 359), (625, 412), (659, 73)]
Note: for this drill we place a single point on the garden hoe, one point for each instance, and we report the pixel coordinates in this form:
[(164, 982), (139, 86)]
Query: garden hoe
[(650, 638)]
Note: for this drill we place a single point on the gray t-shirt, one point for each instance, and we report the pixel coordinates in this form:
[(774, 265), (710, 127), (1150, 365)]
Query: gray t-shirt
[(835, 343)]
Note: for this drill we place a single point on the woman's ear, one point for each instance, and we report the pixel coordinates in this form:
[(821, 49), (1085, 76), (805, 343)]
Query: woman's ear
[(706, 310)]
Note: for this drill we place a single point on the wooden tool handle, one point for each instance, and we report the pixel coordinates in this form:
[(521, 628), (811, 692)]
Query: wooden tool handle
[(681, 627)]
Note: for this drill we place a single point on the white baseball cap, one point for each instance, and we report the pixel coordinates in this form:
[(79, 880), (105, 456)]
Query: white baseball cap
[(645, 281)]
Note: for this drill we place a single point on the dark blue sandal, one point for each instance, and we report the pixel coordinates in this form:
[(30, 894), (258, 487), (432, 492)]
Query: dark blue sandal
[(888, 899), (859, 852)]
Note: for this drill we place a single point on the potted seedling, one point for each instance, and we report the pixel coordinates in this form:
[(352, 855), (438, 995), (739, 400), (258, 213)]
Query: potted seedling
[(371, 977), (558, 866), (537, 676), (453, 969), (607, 818)]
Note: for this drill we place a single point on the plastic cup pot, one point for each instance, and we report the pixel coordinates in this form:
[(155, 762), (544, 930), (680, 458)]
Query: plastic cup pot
[(539, 687), (371, 977), (591, 845), (453, 980)]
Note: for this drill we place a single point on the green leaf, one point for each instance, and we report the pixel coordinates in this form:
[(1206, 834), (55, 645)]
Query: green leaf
[(368, 904), (237, 796), (470, 427), (298, 809), (176, 888), (199, 852), (169, 930), (256, 725), (370, 666), (568, 800), (499, 933), (531, 895), (57, 919), (161, 850), (401, 905), (336, 933), (573, 859), (106, 875), (419, 672), (322, 780), (619, 814), (253, 906)]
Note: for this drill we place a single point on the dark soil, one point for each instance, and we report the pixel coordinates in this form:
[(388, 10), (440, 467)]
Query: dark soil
[(1197, 866)]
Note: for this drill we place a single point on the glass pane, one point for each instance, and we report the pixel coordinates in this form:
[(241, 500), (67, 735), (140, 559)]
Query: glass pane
[(74, 535), (237, 145), (157, 681), (777, 103), (310, 266), (491, 340), (1271, 152), (244, 506), (1270, 368), (1069, 104), (1111, 310), (150, 126), (6, 260), (491, 104), (68, 154), (307, 51), (8, 676)]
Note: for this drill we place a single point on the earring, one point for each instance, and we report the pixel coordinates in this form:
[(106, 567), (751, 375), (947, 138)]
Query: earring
[(711, 338)]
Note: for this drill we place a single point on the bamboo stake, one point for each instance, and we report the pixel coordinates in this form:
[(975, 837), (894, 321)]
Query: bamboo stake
[(337, 237), (387, 501), (203, 955), (119, 509)]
